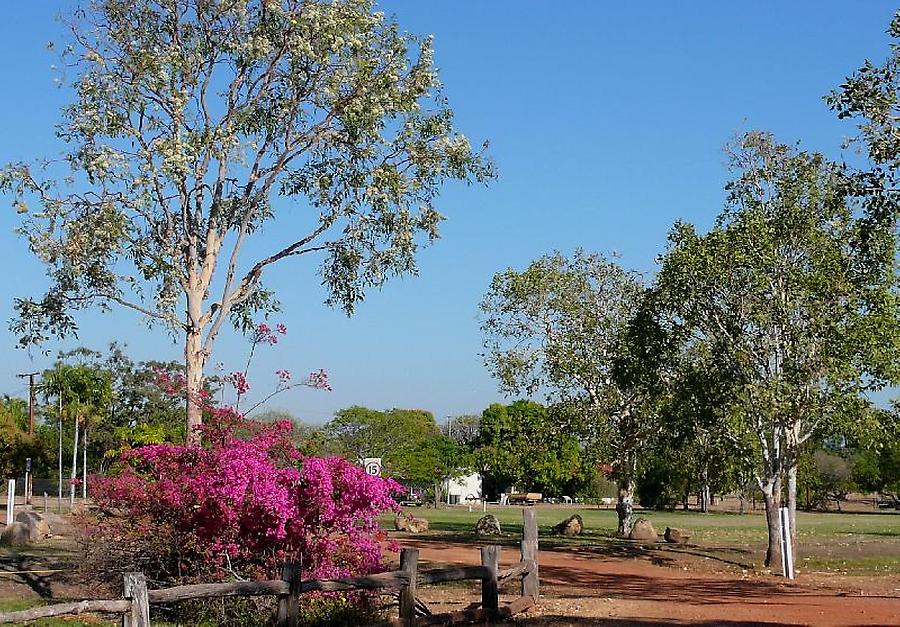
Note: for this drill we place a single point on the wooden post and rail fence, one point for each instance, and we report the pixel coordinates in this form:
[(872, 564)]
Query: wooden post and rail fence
[(134, 606)]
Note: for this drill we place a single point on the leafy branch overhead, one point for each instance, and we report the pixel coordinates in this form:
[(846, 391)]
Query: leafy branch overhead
[(195, 123)]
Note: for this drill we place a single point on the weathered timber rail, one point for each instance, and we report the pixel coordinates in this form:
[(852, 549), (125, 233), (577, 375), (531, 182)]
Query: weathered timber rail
[(134, 607)]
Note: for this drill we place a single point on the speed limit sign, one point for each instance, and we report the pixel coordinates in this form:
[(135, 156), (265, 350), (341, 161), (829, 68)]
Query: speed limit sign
[(372, 466)]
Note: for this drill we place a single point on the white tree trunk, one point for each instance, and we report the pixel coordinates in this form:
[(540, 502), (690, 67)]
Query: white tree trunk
[(194, 361), (625, 506)]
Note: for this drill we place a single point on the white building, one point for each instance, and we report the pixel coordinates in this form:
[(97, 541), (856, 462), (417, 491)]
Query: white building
[(466, 488)]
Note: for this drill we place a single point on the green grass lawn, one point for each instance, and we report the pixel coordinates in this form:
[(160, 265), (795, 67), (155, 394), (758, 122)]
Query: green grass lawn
[(13, 605), (853, 543)]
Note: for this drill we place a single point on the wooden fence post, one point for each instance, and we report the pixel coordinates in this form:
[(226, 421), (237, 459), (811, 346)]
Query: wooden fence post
[(289, 604), (531, 580), (135, 585), (490, 592), (409, 564)]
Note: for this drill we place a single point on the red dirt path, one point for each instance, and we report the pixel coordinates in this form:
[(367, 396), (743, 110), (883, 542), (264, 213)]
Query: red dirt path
[(583, 588)]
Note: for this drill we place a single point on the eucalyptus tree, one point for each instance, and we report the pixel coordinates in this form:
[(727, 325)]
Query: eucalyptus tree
[(559, 328), (869, 96), (780, 293), (195, 124)]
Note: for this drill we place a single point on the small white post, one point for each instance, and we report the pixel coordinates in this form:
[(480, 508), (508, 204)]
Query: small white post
[(484, 504), (787, 556), (10, 502)]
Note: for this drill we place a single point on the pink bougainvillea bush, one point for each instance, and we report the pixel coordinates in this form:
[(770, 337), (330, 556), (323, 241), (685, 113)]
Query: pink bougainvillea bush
[(241, 504)]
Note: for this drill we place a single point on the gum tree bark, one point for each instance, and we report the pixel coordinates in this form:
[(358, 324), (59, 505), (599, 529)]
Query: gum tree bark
[(771, 490), (625, 506)]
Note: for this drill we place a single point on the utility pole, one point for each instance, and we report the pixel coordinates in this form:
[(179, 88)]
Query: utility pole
[(31, 376)]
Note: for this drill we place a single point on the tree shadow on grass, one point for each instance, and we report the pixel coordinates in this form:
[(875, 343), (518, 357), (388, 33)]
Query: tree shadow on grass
[(884, 534), (600, 546), (684, 590)]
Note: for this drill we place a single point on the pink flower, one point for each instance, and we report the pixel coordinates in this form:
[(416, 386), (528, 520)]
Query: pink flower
[(284, 376), (239, 382), (263, 334), (249, 494), (319, 380)]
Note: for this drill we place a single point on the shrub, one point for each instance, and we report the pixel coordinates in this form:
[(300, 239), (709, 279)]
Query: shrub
[(657, 486), (824, 477), (240, 505)]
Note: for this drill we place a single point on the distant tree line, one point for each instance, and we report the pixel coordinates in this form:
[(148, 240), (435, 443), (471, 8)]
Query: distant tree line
[(750, 356)]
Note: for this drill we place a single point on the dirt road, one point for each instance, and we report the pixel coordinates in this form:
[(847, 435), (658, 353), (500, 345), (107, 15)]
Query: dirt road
[(586, 587)]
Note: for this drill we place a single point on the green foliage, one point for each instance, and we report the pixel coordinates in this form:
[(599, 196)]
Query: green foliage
[(397, 436), (662, 482), (83, 390), (555, 326), (126, 405), (138, 397), (780, 294), (878, 470), (565, 327), (824, 477), (870, 97), (776, 292), (435, 460), (464, 429), (533, 447), (15, 443), (187, 116)]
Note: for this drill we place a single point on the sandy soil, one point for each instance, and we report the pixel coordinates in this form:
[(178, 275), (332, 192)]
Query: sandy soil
[(594, 586), (585, 587)]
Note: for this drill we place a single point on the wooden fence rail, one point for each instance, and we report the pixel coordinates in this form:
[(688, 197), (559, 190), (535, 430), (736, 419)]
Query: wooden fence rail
[(134, 607)]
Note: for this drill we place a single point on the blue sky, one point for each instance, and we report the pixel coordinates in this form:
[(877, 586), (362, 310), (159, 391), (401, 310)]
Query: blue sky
[(606, 121)]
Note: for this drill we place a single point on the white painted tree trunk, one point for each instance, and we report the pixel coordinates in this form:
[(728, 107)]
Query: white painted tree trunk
[(625, 504)]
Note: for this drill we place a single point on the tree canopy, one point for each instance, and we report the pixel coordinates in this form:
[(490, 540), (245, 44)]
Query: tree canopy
[(532, 447), (189, 118), (564, 327), (395, 435), (778, 293)]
